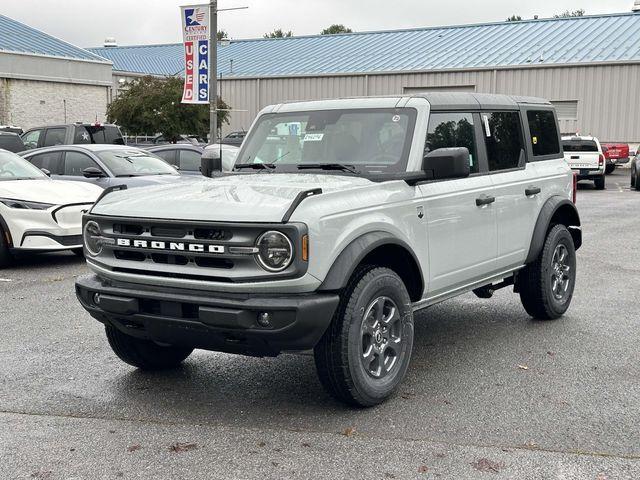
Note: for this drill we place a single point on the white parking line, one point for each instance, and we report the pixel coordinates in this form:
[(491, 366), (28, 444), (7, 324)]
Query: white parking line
[(5, 280)]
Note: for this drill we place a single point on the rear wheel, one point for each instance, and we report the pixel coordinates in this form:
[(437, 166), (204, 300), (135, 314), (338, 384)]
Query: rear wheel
[(633, 177), (145, 354), (599, 182), (546, 285), (364, 354), (5, 254)]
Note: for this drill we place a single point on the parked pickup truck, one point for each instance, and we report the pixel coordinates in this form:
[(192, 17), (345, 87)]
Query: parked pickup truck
[(332, 235), (585, 157), (616, 154)]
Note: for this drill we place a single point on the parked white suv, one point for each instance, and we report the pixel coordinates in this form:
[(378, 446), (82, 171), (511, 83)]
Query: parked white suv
[(342, 219), (585, 157)]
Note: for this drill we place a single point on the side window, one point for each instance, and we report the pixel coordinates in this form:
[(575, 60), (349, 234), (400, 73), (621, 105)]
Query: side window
[(51, 161), (544, 133), (31, 138), (54, 136), (76, 162), (448, 130), (113, 136), (190, 161), (168, 156), (503, 138)]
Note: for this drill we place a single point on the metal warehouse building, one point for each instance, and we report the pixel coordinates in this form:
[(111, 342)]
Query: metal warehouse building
[(44, 80), (588, 66)]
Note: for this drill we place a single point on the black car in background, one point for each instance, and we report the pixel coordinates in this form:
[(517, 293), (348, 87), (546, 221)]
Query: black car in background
[(72, 134), (11, 142), (186, 158)]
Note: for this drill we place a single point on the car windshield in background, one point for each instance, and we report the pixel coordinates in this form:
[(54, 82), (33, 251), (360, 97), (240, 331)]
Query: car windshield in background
[(14, 167), (134, 163), (371, 140), (579, 146)]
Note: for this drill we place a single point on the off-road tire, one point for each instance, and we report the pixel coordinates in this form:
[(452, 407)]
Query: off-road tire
[(144, 354), (338, 354), (599, 182), (535, 280), (5, 255)]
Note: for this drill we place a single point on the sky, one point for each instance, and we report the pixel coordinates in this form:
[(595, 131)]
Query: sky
[(133, 22)]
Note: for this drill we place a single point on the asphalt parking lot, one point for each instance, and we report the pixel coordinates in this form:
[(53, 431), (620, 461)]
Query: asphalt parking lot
[(489, 394)]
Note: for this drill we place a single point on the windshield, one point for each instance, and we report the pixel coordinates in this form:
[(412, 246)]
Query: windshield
[(579, 146), (14, 167), (371, 140), (134, 163)]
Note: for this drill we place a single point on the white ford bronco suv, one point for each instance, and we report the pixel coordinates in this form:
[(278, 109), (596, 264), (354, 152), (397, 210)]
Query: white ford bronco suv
[(342, 218)]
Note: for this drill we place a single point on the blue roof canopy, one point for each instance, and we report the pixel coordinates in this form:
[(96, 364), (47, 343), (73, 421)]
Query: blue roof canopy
[(589, 39), (17, 37)]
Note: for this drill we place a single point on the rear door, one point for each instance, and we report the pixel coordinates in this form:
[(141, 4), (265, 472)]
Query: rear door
[(582, 154), (514, 185), (50, 161), (461, 220)]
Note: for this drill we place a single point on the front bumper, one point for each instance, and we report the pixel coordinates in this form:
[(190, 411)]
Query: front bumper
[(211, 321)]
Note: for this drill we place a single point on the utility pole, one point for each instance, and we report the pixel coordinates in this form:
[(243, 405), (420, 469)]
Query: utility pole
[(213, 71)]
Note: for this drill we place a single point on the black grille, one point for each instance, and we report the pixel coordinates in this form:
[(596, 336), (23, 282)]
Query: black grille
[(128, 229)]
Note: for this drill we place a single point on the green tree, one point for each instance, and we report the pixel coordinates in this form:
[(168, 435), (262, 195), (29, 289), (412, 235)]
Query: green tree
[(279, 33), (336, 28), (222, 34), (514, 18), (569, 14), (153, 105)]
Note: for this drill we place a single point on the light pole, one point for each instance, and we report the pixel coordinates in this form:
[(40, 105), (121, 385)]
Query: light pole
[(213, 71)]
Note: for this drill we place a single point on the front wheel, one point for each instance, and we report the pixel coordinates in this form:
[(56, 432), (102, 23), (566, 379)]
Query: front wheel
[(599, 183), (546, 285), (144, 354), (364, 354)]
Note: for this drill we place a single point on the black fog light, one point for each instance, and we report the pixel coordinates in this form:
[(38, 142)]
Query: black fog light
[(264, 319)]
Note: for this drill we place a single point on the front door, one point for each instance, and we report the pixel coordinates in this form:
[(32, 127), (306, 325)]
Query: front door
[(461, 220)]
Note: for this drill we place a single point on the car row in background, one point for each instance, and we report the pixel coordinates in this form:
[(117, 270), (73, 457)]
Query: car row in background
[(38, 214), (103, 165), (187, 158), (72, 134)]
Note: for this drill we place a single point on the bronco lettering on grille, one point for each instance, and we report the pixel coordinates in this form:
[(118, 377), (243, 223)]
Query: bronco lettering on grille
[(172, 246)]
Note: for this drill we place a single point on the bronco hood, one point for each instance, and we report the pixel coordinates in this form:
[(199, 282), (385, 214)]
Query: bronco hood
[(259, 197)]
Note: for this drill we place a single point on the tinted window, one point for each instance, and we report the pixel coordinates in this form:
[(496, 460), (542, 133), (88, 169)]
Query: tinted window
[(544, 133), (30, 139), (54, 136), (503, 137), (51, 161), (190, 160), (98, 134), (579, 146), (448, 130), (13, 143), (168, 156), (76, 162)]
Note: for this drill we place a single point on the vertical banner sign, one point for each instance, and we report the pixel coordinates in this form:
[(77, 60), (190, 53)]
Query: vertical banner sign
[(195, 27)]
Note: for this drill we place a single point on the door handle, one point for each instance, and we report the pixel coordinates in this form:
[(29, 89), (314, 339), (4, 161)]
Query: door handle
[(531, 191), (485, 200)]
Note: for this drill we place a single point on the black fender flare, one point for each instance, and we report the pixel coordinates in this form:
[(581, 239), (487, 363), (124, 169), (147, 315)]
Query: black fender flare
[(560, 210), (4, 230), (349, 259)]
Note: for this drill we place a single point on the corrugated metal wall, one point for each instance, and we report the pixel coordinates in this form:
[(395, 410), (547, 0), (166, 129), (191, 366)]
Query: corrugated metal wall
[(608, 96)]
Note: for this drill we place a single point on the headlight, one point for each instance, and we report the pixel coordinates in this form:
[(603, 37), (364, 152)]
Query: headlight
[(9, 202), (275, 251), (92, 238)]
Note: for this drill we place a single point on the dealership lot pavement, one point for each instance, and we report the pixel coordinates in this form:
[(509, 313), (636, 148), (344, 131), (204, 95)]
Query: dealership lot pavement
[(489, 394)]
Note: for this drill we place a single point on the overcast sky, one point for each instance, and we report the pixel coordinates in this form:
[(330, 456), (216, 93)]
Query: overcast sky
[(87, 23)]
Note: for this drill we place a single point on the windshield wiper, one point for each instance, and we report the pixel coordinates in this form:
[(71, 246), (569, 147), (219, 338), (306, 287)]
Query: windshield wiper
[(328, 166), (255, 166)]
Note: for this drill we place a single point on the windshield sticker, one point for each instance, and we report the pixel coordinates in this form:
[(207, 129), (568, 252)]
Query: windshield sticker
[(313, 137), (396, 118)]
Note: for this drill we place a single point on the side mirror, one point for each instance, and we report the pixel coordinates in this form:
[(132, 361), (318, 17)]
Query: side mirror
[(46, 172), (211, 163), (446, 163), (93, 172)]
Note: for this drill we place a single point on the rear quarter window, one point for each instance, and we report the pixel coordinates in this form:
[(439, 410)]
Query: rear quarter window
[(543, 132)]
